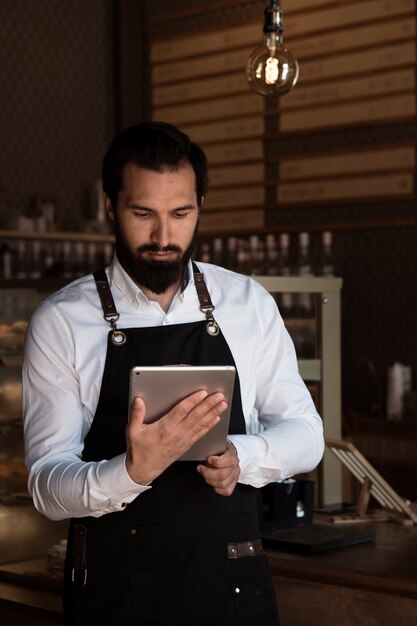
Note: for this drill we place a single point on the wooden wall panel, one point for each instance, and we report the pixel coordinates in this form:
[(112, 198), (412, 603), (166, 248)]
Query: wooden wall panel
[(210, 65), (218, 108), (199, 84), (372, 86), (228, 222), (343, 16), (357, 70), (227, 130), (235, 152), (330, 42), (234, 175), (385, 159), (205, 43), (352, 188), (363, 62), (385, 110)]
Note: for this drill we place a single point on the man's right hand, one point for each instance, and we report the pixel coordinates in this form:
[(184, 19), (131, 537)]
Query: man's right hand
[(151, 448)]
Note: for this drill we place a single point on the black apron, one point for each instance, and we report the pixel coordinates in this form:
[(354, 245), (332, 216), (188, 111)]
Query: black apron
[(163, 560)]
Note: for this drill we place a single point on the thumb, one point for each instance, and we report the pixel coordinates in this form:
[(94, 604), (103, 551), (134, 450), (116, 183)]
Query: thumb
[(137, 412)]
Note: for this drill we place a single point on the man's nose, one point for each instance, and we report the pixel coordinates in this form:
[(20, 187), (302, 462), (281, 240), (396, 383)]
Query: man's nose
[(160, 234)]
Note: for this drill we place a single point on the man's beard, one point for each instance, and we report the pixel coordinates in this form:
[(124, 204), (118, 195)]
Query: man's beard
[(157, 276)]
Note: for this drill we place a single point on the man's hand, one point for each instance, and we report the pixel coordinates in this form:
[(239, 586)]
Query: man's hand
[(222, 472), (151, 448)]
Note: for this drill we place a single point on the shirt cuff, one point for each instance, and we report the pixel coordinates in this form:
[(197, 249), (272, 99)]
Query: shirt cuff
[(253, 461), (116, 482)]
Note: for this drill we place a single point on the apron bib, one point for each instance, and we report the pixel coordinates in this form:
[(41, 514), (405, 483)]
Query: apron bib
[(163, 560)]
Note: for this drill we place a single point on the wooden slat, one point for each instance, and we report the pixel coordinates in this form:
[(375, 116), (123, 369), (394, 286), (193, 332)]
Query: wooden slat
[(209, 65), (386, 83), (200, 89), (238, 197), (206, 43), (211, 109), (364, 187), (346, 15), (363, 62), (388, 159), (236, 175), (237, 152), (389, 109), (291, 6), (231, 221), (224, 130), (366, 36)]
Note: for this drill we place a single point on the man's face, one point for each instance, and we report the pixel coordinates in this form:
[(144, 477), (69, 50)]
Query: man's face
[(156, 222)]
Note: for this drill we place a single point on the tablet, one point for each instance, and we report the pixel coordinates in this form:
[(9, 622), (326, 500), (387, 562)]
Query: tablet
[(163, 387)]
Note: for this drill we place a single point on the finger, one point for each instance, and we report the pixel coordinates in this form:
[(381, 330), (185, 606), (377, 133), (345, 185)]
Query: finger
[(200, 407), (218, 477), (137, 410), (222, 483), (183, 408), (227, 459)]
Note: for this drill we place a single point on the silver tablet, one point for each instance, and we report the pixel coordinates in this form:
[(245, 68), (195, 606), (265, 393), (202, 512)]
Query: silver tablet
[(163, 387)]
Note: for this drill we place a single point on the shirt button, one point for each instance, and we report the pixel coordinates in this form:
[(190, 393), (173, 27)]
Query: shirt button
[(133, 531), (237, 590)]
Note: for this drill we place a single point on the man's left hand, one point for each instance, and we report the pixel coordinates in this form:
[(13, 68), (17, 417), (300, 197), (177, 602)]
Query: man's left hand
[(222, 472)]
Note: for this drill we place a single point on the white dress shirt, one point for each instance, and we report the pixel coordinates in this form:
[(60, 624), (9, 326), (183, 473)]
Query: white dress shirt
[(64, 358)]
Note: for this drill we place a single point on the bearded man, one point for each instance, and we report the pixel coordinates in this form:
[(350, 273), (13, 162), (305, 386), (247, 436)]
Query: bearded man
[(154, 540)]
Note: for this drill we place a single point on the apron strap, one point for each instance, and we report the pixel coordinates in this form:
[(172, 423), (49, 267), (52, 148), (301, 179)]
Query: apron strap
[(110, 313), (206, 305)]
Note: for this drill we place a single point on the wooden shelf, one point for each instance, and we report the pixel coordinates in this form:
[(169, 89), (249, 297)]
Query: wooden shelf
[(57, 236)]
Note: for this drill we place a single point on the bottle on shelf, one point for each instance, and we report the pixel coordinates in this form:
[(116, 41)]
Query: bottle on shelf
[(50, 266), (66, 260), (243, 257), (22, 261), (305, 269), (272, 259), (256, 252), (231, 254), (217, 251), (35, 260), (7, 262), (205, 252), (285, 300), (327, 262)]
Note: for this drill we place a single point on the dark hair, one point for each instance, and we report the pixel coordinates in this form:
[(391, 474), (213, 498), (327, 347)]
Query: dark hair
[(156, 146)]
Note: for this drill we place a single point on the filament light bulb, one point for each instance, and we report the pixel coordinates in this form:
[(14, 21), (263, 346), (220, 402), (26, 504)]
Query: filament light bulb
[(271, 69)]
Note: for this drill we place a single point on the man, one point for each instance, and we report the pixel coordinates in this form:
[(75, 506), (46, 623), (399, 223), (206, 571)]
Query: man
[(154, 540)]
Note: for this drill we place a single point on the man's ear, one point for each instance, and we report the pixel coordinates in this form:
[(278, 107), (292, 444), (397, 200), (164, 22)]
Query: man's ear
[(109, 207)]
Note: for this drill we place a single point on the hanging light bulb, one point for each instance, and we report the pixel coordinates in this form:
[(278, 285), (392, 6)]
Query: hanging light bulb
[(271, 69)]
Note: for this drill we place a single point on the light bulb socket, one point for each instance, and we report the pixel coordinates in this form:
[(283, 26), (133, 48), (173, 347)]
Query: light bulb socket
[(273, 19)]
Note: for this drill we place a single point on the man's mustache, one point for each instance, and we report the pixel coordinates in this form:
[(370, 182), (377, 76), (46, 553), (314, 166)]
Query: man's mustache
[(153, 247)]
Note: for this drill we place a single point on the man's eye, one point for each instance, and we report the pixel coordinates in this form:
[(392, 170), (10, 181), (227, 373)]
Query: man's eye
[(141, 214), (180, 214)]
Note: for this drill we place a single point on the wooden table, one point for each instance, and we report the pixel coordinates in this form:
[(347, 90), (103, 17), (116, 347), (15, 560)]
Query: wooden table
[(27, 597), (371, 584)]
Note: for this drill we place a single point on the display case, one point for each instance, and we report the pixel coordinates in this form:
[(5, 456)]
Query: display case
[(311, 310), (24, 533)]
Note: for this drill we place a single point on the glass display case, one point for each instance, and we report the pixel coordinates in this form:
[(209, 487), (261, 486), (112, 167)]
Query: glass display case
[(310, 307), (24, 533)]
